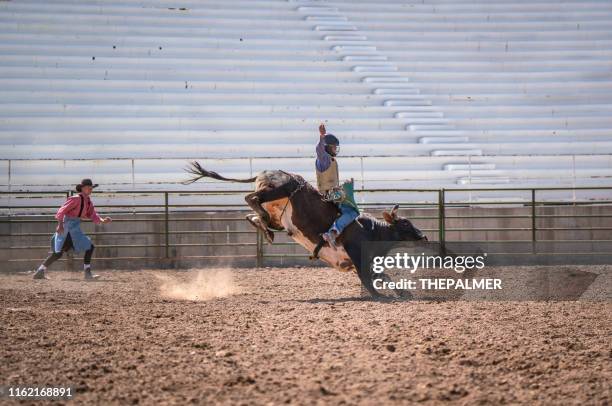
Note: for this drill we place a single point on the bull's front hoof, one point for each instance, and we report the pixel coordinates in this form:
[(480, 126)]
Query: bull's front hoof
[(346, 266), (269, 236)]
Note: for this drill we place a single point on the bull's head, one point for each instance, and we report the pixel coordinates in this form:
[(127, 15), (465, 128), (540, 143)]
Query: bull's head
[(404, 228)]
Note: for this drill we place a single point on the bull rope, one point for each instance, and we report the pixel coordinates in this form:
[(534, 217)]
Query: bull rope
[(301, 185)]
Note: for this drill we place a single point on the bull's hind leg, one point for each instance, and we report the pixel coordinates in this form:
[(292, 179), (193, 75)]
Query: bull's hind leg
[(256, 222), (254, 200), (262, 218)]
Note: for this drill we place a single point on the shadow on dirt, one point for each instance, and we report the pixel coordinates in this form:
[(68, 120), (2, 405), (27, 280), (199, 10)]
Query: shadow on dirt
[(90, 281), (352, 299), (333, 300)]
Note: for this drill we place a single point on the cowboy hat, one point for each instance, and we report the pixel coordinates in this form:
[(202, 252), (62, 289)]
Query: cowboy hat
[(85, 182)]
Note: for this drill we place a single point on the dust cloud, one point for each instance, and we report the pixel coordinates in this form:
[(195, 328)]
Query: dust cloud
[(203, 284)]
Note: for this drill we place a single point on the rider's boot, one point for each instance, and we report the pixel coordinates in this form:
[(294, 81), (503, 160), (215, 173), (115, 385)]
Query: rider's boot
[(330, 238)]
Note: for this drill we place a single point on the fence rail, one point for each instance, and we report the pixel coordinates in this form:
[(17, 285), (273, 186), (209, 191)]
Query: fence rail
[(174, 225)]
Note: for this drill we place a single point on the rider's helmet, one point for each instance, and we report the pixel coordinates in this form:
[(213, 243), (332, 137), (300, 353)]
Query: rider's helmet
[(332, 144)]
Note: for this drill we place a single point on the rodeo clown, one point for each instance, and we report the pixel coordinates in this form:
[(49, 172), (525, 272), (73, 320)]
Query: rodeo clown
[(68, 234), (328, 182)]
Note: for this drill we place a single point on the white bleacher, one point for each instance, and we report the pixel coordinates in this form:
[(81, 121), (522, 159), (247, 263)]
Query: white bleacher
[(442, 93)]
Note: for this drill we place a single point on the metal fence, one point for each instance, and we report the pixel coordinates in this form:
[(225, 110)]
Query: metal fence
[(436, 211)]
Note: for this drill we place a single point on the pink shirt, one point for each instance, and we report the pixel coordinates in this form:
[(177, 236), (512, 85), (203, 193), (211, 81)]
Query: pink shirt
[(72, 206)]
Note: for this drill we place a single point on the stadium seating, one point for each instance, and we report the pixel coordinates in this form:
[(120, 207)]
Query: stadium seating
[(422, 94)]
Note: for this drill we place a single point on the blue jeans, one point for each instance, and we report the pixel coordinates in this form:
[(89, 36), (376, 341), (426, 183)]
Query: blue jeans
[(348, 214), (72, 227)]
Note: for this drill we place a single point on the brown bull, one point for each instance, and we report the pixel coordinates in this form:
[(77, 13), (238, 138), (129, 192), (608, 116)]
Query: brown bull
[(285, 201)]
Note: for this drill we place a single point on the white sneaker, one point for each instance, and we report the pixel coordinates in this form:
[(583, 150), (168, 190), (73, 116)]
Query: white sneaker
[(40, 274), (89, 276)]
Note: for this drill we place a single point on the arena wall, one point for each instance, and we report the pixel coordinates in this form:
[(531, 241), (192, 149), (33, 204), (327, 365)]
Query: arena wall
[(564, 234)]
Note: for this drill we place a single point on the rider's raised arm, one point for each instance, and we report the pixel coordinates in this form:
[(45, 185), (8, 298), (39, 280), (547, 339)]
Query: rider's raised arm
[(323, 158)]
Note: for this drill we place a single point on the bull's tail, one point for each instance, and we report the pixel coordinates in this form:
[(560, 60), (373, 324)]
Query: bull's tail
[(198, 173)]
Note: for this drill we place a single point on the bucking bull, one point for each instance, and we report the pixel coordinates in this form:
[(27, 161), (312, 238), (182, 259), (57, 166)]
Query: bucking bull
[(285, 201)]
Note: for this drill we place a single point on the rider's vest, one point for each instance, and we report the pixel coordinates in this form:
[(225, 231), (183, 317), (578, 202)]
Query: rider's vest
[(329, 178)]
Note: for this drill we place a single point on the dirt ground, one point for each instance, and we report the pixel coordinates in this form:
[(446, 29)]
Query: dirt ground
[(299, 336)]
